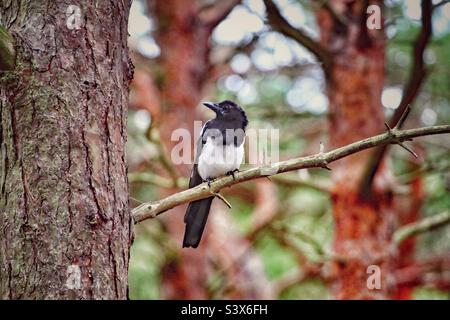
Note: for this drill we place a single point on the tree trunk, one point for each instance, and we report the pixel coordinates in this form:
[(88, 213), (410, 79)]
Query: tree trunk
[(184, 58), (65, 222), (363, 223)]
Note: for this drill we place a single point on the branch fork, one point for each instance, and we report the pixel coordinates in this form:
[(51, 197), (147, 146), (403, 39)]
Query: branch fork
[(393, 132), (324, 164), (221, 197)]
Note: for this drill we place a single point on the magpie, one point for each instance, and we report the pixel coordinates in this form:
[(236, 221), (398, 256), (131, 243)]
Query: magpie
[(220, 151)]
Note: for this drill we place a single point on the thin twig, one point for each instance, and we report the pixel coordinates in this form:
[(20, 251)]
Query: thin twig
[(213, 14), (202, 191), (403, 117), (437, 5), (407, 149), (307, 238), (280, 24), (397, 127), (221, 197), (410, 92)]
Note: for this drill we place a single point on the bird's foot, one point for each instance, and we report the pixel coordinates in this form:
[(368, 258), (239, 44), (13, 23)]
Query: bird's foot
[(209, 180), (231, 173)]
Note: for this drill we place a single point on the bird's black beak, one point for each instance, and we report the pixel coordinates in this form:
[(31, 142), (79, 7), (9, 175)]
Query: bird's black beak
[(213, 106)]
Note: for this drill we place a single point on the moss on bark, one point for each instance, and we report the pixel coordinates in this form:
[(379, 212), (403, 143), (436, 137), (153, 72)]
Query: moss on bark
[(7, 52)]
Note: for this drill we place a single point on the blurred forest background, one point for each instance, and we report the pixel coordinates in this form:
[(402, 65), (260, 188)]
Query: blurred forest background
[(281, 237)]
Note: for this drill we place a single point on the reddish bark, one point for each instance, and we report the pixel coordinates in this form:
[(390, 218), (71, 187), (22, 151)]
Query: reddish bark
[(184, 61), (363, 223), (408, 212), (431, 272), (183, 34)]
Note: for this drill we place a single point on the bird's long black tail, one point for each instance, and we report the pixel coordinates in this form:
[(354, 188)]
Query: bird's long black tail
[(195, 219)]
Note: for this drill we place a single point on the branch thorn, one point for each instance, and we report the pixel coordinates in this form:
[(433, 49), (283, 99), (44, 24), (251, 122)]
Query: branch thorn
[(221, 197), (321, 148), (389, 129), (407, 149), (325, 165), (403, 117)]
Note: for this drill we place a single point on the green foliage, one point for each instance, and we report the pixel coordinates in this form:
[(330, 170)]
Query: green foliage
[(7, 52), (438, 200), (312, 289), (422, 293), (276, 257), (146, 260), (242, 214)]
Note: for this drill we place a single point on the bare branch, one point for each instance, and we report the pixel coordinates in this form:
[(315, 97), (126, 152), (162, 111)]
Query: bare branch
[(280, 24), (310, 240), (437, 5), (421, 226), (296, 276), (410, 92), (399, 124), (418, 70), (430, 272), (152, 209), (214, 13), (7, 51)]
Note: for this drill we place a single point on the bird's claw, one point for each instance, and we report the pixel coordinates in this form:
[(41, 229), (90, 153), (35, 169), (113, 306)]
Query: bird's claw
[(231, 173)]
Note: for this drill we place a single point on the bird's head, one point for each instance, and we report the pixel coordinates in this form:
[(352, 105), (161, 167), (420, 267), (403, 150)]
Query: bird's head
[(228, 111)]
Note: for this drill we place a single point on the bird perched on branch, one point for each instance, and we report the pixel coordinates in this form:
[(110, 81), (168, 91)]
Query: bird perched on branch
[(220, 151)]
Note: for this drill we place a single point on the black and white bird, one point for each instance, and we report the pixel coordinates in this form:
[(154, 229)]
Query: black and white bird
[(220, 151)]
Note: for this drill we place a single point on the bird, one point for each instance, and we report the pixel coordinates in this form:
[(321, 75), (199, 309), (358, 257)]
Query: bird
[(220, 151)]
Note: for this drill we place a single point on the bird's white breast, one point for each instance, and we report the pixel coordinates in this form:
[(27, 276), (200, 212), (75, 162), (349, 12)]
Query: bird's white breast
[(216, 160)]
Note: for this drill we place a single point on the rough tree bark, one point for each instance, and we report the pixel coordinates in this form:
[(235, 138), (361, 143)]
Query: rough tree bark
[(64, 217)]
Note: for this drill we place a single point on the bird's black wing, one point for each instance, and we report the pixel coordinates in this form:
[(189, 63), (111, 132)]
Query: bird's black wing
[(195, 178), (197, 211)]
